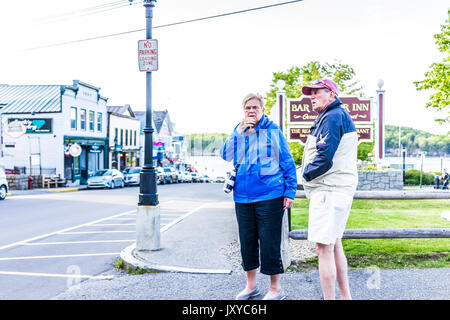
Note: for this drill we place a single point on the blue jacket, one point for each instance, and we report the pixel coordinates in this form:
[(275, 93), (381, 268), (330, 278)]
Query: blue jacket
[(329, 157), (266, 168)]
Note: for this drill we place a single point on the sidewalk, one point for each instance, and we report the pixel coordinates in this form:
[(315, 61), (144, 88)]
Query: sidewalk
[(193, 245), (202, 256), (12, 193)]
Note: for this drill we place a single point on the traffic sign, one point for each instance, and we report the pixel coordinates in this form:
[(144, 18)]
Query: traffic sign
[(148, 55)]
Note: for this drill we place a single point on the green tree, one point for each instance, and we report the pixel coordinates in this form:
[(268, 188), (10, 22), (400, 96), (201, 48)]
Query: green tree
[(364, 149), (298, 76), (438, 77)]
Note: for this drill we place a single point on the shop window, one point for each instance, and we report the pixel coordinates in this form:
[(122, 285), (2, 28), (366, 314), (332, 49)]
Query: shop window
[(91, 120), (73, 118), (83, 119)]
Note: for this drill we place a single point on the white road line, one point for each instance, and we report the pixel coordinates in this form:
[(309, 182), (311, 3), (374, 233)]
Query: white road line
[(87, 232), (62, 256), (60, 231), (122, 218), (170, 225), (55, 275), (112, 224), (74, 242)]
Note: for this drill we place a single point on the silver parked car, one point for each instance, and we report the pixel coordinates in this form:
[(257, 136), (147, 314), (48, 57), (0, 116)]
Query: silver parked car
[(3, 185), (107, 178), (195, 177), (132, 175), (219, 180)]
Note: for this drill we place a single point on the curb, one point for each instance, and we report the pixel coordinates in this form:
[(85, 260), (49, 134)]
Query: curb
[(64, 190), (130, 260), (41, 191)]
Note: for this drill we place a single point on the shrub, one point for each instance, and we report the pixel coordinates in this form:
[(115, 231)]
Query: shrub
[(412, 177)]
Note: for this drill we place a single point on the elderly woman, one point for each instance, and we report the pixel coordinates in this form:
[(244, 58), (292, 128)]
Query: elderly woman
[(265, 185)]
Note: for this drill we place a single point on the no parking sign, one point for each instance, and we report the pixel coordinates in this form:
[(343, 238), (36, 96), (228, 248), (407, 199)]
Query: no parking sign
[(148, 55)]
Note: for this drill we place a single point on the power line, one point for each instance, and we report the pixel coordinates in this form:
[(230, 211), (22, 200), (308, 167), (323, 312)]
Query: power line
[(165, 25), (91, 10)]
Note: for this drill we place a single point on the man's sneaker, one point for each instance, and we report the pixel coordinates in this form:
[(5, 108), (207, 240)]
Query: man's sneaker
[(245, 296), (280, 296)]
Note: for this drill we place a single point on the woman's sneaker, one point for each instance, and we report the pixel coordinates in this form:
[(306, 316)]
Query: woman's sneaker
[(245, 296)]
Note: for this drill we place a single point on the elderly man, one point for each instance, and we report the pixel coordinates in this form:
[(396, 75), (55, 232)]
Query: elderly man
[(329, 176)]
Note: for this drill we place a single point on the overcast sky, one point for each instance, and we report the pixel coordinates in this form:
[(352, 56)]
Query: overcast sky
[(207, 67)]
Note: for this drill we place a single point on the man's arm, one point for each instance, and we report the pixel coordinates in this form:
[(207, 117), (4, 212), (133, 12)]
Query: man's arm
[(327, 143)]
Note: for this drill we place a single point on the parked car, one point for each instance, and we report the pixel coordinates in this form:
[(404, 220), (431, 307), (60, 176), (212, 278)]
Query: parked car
[(205, 179), (171, 175), (106, 178), (195, 177), (187, 177), (132, 175), (180, 176), (219, 180), (3, 185), (160, 176)]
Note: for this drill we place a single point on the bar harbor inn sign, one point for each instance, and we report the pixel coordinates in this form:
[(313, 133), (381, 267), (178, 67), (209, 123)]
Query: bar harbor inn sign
[(301, 116)]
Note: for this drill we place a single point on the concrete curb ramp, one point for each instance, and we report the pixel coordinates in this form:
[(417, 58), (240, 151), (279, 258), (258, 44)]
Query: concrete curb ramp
[(128, 255)]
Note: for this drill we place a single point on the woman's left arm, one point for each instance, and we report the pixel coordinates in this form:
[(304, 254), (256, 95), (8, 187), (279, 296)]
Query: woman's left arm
[(287, 165)]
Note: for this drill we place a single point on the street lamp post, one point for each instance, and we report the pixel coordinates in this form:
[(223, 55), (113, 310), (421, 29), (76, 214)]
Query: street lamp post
[(148, 213)]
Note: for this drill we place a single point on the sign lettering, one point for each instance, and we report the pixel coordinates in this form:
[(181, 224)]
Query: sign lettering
[(148, 55), (301, 111), (300, 134)]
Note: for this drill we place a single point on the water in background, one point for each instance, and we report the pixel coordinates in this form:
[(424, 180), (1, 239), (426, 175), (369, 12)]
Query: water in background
[(213, 166), (430, 164)]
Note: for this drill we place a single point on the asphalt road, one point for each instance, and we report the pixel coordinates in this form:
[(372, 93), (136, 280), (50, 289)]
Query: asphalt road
[(50, 242)]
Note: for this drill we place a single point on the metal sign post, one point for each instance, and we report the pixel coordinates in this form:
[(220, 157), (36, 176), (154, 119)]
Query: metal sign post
[(148, 211)]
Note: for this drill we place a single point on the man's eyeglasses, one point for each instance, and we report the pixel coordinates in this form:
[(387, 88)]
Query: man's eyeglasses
[(248, 108)]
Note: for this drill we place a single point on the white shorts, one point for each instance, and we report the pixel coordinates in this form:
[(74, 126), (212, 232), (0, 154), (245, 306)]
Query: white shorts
[(328, 215)]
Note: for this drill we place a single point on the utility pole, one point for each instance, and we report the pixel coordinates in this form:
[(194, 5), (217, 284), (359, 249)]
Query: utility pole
[(148, 212)]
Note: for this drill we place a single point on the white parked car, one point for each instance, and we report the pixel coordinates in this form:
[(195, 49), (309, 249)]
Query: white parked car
[(187, 177), (180, 175), (3, 185), (107, 178), (132, 175)]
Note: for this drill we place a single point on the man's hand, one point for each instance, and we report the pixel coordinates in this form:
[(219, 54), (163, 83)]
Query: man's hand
[(287, 203)]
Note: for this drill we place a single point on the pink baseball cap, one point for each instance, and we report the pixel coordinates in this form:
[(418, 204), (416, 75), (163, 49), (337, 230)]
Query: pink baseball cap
[(321, 83)]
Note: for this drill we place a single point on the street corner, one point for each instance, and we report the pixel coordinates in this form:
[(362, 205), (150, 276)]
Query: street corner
[(153, 261)]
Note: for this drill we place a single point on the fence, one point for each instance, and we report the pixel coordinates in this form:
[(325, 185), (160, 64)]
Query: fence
[(385, 233)]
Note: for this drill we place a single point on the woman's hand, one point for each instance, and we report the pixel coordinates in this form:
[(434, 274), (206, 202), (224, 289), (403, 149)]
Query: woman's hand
[(287, 203), (245, 123)]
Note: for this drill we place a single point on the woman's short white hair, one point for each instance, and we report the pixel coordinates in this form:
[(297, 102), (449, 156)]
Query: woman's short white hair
[(251, 96)]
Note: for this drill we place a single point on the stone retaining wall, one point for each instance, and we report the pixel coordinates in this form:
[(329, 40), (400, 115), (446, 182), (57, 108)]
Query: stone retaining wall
[(380, 180), (20, 181)]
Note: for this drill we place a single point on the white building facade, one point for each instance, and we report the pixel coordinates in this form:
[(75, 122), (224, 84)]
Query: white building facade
[(55, 117), (124, 137)]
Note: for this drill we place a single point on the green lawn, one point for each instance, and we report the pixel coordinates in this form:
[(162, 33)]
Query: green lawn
[(389, 253)]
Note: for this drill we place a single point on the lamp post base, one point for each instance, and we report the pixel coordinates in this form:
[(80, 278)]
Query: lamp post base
[(148, 228)]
